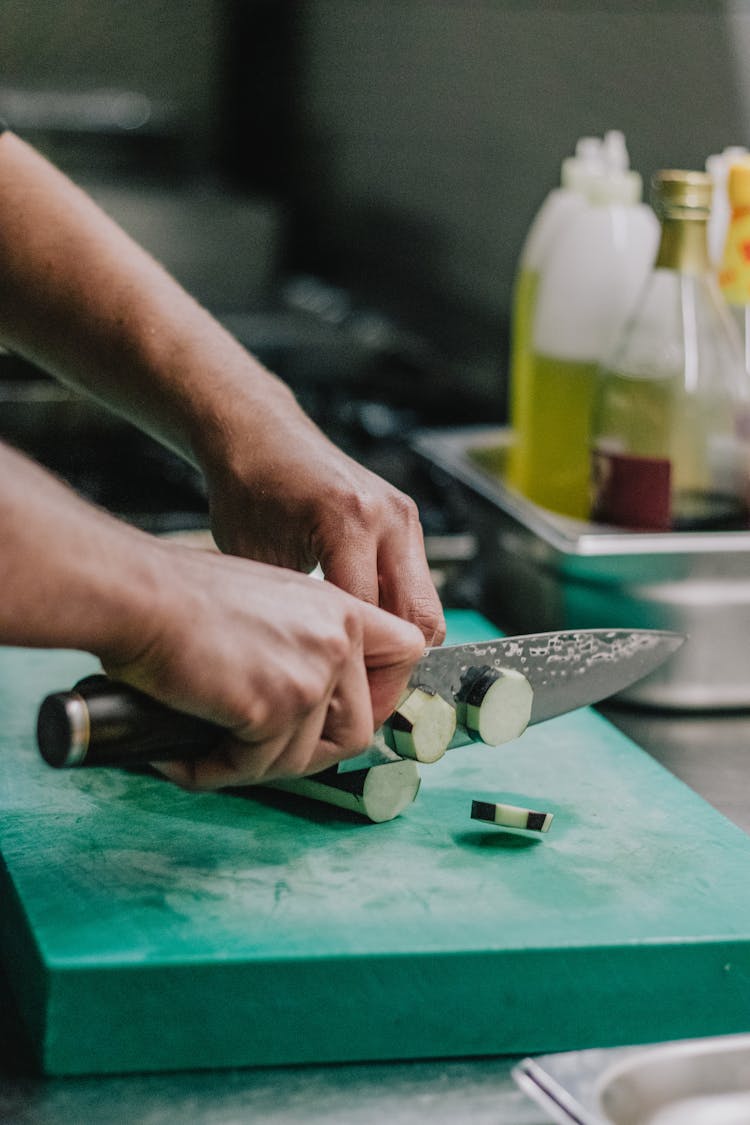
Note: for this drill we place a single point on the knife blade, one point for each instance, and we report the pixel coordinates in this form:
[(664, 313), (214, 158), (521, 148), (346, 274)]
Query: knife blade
[(567, 670), (102, 722)]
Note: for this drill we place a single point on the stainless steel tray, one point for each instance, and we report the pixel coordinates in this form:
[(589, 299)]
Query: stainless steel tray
[(540, 570), (691, 1082)]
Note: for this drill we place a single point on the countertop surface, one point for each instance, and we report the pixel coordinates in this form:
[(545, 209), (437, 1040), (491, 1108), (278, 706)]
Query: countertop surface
[(708, 752)]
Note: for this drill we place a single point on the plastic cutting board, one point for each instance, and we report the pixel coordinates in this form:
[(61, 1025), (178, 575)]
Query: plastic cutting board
[(145, 928)]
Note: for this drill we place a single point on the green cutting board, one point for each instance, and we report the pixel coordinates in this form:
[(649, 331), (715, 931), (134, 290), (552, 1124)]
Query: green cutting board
[(146, 928)]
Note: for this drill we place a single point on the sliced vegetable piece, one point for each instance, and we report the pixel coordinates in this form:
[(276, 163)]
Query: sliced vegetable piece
[(494, 704), (379, 793), (422, 726), (511, 816)]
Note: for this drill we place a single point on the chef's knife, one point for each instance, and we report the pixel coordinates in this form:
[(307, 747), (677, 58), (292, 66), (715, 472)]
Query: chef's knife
[(105, 723)]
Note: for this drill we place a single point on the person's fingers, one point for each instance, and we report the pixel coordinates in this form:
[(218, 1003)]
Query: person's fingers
[(349, 723), (352, 565), (207, 772), (339, 726), (407, 589), (236, 763), (396, 579), (392, 646)]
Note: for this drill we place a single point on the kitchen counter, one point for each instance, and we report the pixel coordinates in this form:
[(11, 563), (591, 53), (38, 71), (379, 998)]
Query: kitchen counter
[(708, 752)]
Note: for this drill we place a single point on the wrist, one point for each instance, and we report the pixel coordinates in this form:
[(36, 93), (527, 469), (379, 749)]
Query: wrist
[(242, 409), (127, 584), (73, 576)]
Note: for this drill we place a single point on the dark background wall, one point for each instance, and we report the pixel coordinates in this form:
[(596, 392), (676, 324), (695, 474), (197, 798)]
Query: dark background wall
[(430, 130), (409, 141), (168, 50)]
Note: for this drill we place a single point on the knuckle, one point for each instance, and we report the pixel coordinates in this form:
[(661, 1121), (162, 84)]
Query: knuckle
[(353, 637), (405, 508), (308, 693), (387, 507), (253, 715), (337, 632), (361, 507), (337, 645), (260, 714)]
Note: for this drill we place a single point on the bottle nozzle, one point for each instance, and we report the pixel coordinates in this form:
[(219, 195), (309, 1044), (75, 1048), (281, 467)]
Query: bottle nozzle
[(615, 151)]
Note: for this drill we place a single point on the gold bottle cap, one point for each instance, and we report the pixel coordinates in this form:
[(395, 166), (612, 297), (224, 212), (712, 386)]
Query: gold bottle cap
[(738, 184), (681, 194)]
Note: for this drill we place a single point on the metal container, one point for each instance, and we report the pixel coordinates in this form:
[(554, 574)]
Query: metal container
[(692, 1082), (540, 570)]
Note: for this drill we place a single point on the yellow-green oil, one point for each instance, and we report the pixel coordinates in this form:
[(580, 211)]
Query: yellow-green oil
[(639, 414), (520, 404), (655, 418), (556, 445), (550, 409)]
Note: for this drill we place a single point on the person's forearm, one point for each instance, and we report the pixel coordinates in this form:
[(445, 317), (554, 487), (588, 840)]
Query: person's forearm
[(71, 576), (87, 304), (83, 301)]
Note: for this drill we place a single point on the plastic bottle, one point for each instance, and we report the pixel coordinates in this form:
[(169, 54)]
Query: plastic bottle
[(587, 287), (734, 274), (717, 166), (557, 210), (671, 421)]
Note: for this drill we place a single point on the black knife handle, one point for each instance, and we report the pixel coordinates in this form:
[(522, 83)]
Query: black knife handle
[(105, 723)]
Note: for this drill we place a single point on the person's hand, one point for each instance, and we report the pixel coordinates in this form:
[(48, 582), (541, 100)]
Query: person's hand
[(288, 496), (300, 672)]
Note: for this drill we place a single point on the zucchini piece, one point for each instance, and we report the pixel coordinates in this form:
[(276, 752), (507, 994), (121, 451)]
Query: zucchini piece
[(493, 705), (421, 727), (511, 816), (378, 793)]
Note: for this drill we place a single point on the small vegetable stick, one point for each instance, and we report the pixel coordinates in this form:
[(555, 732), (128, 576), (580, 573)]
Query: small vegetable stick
[(421, 727), (494, 705), (379, 793), (511, 816)]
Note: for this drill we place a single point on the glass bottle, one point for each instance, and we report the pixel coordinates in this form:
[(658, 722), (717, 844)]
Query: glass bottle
[(671, 417)]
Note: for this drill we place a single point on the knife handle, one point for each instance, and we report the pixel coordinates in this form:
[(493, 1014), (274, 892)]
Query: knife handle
[(105, 723), (102, 722)]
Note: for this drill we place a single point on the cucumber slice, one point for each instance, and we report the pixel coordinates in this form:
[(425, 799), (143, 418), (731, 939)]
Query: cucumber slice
[(494, 704), (421, 727)]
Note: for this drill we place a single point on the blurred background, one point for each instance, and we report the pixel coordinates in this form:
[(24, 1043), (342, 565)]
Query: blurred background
[(346, 184)]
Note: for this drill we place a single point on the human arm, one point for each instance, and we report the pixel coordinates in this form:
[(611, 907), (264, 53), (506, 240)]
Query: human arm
[(299, 671), (80, 299)]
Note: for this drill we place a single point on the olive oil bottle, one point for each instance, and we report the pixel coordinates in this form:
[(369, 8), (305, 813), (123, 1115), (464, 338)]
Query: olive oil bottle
[(671, 417), (586, 286)]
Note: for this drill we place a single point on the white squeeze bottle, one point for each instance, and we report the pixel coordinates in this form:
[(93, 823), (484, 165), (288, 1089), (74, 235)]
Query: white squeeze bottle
[(556, 211), (587, 288)]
